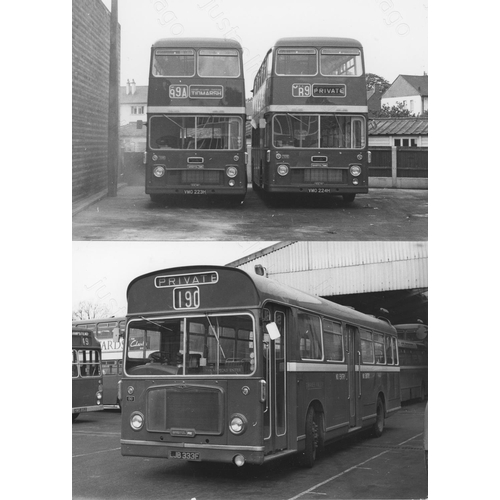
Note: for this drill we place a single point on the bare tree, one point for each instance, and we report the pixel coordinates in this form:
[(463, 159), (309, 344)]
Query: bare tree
[(90, 310)]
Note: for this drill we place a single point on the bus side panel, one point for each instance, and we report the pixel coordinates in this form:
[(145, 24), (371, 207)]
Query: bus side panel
[(336, 403)]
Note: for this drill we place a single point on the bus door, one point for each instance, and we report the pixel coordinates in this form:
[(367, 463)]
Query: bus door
[(353, 357), (275, 424)]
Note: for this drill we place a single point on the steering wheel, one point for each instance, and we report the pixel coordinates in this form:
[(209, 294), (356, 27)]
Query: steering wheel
[(157, 357)]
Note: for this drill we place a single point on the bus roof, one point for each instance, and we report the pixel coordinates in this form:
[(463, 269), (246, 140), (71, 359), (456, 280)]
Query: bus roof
[(317, 42), (247, 290), (197, 43)]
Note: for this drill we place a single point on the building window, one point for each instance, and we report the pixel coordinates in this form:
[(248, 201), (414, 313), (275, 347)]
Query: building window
[(405, 142), (412, 106), (137, 110)]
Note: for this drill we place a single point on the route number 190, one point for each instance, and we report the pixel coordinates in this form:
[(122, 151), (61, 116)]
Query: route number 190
[(187, 298)]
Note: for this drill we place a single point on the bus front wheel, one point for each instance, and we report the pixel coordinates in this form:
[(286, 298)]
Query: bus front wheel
[(312, 438), (378, 427), (74, 416), (349, 198)]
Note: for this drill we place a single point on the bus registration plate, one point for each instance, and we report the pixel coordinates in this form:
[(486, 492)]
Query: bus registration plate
[(185, 455)]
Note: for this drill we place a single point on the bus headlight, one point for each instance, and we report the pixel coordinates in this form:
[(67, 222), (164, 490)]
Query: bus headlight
[(355, 170), (238, 424), (282, 170), (136, 421), (98, 395), (159, 171), (231, 172)]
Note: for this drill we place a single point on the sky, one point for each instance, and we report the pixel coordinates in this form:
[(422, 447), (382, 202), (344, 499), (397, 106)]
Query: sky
[(393, 32), (103, 270)]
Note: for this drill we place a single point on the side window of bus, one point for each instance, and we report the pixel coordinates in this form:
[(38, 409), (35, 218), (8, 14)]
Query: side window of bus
[(332, 336), (75, 364), (367, 355), (309, 336), (389, 349), (378, 345)]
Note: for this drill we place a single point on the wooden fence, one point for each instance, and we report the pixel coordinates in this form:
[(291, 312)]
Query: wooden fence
[(399, 167)]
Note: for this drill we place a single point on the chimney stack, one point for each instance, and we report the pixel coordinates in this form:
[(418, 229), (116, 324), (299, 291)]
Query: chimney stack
[(133, 86), (127, 89)]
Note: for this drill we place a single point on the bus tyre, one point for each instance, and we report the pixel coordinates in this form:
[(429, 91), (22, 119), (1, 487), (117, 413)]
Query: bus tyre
[(378, 427), (349, 198), (75, 416), (312, 436), (158, 199)]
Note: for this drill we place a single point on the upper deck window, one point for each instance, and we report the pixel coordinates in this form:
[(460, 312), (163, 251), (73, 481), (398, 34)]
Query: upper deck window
[(219, 63), (173, 62), (341, 62), (298, 62)]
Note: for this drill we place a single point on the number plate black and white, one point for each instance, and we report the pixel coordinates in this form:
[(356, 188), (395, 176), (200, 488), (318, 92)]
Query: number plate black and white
[(185, 455), (187, 297)]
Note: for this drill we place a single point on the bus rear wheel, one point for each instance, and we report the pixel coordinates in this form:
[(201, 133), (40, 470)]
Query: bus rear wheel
[(378, 427), (312, 439)]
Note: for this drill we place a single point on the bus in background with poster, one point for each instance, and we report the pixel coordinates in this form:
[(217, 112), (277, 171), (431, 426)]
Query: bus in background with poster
[(239, 368), (309, 122), (196, 120), (86, 372), (112, 353)]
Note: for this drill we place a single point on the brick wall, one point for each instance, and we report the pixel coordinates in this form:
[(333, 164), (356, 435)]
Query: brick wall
[(91, 33)]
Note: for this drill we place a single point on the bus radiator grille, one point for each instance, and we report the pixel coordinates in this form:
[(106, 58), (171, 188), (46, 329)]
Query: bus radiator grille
[(185, 407), (308, 175), (199, 177)]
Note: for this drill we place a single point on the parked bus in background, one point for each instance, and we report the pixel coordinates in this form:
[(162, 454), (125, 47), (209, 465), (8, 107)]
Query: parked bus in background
[(309, 122), (86, 372), (112, 353), (241, 369), (413, 343), (196, 119)]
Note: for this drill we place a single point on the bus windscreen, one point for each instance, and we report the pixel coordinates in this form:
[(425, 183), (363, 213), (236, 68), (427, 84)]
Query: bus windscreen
[(196, 132), (214, 345)]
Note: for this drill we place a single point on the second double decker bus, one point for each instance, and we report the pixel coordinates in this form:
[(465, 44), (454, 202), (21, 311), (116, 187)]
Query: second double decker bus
[(310, 119), (241, 369), (86, 372), (413, 358), (112, 354), (196, 119)]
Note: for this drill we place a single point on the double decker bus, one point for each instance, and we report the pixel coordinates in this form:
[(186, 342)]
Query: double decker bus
[(239, 368), (309, 122), (86, 372), (196, 120), (112, 354), (413, 356)]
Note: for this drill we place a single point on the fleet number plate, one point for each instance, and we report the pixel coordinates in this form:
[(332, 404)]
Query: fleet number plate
[(185, 455)]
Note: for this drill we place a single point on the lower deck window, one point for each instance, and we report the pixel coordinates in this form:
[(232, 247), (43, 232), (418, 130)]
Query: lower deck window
[(208, 345), (330, 131)]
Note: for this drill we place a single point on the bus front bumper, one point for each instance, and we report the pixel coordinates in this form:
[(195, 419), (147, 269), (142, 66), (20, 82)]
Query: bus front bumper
[(192, 451), (85, 409)]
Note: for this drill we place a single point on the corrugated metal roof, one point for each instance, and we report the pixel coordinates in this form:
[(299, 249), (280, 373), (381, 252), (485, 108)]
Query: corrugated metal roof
[(340, 268), (398, 126)]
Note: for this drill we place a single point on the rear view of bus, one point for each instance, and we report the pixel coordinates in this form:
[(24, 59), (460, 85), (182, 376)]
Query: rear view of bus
[(310, 119), (86, 372), (196, 120)]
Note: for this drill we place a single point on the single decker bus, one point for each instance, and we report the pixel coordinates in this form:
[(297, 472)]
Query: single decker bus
[(309, 122), (413, 360), (86, 372), (112, 354), (238, 368), (196, 120)]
